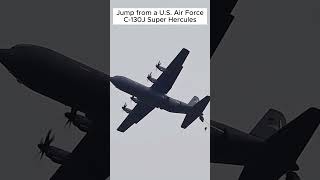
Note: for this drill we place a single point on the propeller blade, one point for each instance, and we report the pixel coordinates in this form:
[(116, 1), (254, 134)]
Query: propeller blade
[(73, 111), (51, 139), (67, 123), (47, 137), (41, 155)]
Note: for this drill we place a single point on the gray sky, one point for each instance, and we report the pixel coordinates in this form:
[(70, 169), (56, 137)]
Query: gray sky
[(157, 148), (73, 28), (269, 58)]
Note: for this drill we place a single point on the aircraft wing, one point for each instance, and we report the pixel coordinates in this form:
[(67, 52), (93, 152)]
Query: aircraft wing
[(220, 20), (166, 80), (137, 113), (81, 166), (90, 159), (270, 123)]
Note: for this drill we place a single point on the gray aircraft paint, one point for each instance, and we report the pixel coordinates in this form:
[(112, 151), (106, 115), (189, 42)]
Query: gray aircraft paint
[(157, 148)]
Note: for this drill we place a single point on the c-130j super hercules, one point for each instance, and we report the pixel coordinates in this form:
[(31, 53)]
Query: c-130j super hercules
[(148, 98)]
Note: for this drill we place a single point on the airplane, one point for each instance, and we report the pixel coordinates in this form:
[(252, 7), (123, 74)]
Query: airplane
[(270, 150), (148, 98), (75, 85)]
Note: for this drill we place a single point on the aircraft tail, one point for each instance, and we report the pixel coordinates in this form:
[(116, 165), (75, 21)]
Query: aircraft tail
[(193, 101), (292, 138), (195, 112), (270, 123)]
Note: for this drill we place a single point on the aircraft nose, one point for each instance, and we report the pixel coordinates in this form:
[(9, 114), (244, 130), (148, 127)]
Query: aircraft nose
[(114, 80)]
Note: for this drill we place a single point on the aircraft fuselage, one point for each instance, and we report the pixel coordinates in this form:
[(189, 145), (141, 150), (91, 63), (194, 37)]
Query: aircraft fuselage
[(149, 96)]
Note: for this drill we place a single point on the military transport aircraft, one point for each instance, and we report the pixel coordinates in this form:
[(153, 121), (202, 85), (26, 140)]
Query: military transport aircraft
[(148, 98), (78, 86), (270, 150)]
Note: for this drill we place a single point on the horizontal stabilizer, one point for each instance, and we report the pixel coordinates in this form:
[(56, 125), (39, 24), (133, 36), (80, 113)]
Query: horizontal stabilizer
[(195, 112), (193, 101), (270, 123)]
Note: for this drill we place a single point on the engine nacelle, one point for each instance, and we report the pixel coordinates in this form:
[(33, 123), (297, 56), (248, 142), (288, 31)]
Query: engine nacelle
[(125, 109), (134, 99), (161, 68), (58, 155), (151, 79), (80, 121)]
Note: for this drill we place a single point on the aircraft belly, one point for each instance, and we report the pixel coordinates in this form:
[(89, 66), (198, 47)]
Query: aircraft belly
[(147, 96), (174, 106), (178, 109)]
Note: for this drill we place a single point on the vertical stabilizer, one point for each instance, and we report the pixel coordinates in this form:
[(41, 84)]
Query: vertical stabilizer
[(292, 138)]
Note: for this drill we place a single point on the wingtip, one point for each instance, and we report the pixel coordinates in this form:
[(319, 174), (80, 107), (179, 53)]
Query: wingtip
[(185, 50), (120, 130)]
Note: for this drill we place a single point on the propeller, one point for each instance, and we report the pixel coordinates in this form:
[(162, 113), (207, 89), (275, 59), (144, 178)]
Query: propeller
[(158, 65), (70, 116), (201, 118), (43, 145), (70, 119), (124, 106), (149, 77)]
